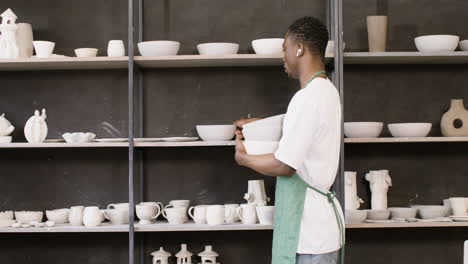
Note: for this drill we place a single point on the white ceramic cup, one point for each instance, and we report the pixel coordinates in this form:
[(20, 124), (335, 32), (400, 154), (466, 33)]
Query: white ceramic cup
[(116, 48), (147, 212), (198, 214), (44, 49), (247, 214), (216, 214), (176, 215), (91, 216), (178, 203), (121, 206), (76, 215), (117, 216), (231, 213), (459, 206), (265, 214)]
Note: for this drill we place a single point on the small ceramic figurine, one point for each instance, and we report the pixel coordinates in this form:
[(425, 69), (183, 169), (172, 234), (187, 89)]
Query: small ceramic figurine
[(161, 256), (184, 256), (380, 181), (352, 200), (35, 129), (456, 113), (8, 46), (208, 256), (256, 193)]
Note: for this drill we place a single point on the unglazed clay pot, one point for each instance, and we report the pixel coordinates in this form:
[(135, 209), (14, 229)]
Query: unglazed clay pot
[(456, 114), (377, 33), (24, 38)]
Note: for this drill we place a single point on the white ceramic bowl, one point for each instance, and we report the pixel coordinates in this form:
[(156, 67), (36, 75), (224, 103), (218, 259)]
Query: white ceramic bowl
[(274, 121), (7, 215), (79, 137), (268, 46), (437, 43), (216, 132), (219, 48), (262, 133), (260, 147), (403, 212), (59, 216), (44, 49), (463, 45), (431, 211), (29, 216), (86, 52), (159, 48), (355, 216), (410, 129), (363, 129), (378, 214)]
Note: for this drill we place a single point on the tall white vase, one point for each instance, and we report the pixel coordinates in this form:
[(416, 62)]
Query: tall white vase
[(377, 33), (379, 181), (24, 39), (352, 201)]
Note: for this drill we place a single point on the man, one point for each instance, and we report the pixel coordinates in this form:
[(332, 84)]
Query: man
[(309, 226)]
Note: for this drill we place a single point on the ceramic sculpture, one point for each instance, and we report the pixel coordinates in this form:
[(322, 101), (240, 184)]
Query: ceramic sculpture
[(161, 256), (379, 181), (36, 128), (208, 256), (8, 28), (352, 201), (5, 129), (377, 33), (24, 39), (456, 113), (184, 256), (256, 193)]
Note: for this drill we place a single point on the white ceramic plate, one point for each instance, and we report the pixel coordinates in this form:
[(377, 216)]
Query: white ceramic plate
[(111, 139), (459, 218)]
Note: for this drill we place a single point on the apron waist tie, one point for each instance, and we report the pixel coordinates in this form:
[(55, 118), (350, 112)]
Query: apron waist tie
[(331, 199)]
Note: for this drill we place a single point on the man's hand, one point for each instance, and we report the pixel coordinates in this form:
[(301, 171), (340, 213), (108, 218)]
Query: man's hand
[(240, 149), (241, 122)]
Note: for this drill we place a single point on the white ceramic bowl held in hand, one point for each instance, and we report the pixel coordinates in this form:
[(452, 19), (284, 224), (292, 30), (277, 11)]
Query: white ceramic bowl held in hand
[(268, 46), (363, 129), (431, 43), (159, 48), (410, 129), (464, 45), (262, 133), (218, 48), (260, 147), (274, 121), (86, 52), (216, 132)]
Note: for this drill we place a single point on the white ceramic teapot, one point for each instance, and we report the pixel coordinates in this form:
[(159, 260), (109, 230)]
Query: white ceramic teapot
[(5, 126), (35, 129)]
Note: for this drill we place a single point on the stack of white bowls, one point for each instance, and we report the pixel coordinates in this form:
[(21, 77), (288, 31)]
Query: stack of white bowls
[(263, 136)]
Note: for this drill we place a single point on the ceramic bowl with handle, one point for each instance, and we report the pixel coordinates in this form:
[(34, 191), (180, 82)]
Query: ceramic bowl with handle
[(159, 48), (268, 46), (410, 129), (216, 132), (219, 48), (434, 43), (363, 129), (59, 216)]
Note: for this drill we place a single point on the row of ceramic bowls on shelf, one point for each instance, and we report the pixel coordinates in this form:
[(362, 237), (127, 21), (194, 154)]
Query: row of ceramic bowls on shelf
[(374, 129), (261, 137), (432, 43)]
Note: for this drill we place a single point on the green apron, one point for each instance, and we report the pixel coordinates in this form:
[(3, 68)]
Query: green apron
[(289, 206)]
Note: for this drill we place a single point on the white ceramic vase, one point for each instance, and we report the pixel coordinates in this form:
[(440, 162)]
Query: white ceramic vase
[(377, 33), (256, 193), (35, 129), (379, 181), (24, 38), (352, 201)]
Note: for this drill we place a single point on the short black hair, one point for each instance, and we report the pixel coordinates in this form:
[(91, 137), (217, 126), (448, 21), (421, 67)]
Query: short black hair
[(312, 33)]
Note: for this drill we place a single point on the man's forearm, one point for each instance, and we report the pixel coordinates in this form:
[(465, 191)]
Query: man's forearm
[(266, 164)]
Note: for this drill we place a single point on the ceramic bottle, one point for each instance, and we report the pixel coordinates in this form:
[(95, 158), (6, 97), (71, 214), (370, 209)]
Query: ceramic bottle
[(456, 114), (35, 129), (352, 201), (379, 181)]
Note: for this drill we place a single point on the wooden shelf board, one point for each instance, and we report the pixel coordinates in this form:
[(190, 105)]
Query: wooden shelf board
[(66, 63), (67, 228), (162, 226), (186, 144), (210, 61), (407, 225), (63, 145), (406, 139), (456, 57)]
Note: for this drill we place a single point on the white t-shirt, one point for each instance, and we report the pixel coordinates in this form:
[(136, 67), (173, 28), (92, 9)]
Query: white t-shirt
[(311, 145)]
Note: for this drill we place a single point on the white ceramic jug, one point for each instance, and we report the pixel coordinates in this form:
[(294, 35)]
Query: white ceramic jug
[(352, 201), (35, 129), (256, 193), (379, 181)]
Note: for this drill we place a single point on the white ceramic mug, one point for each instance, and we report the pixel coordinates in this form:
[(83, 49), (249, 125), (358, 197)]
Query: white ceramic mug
[(158, 204), (91, 216), (216, 214), (231, 213), (147, 212), (121, 206), (247, 214), (178, 203), (459, 206), (117, 216), (176, 215), (198, 214), (116, 48), (76, 215), (44, 49), (265, 214)]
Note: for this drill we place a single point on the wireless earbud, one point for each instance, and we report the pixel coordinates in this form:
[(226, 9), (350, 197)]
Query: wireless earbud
[(298, 52)]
